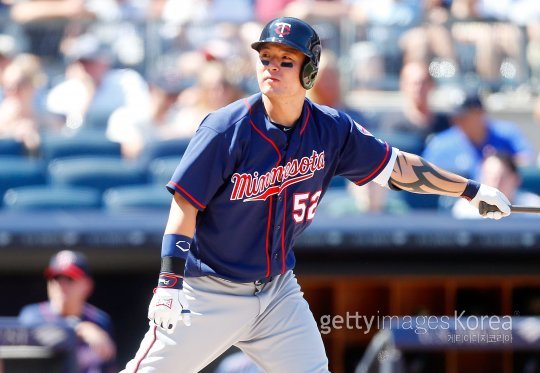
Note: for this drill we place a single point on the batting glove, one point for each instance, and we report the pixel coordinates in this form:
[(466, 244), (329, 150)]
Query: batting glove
[(169, 305), (491, 202)]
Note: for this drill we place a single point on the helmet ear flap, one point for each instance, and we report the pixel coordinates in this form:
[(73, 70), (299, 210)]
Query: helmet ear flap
[(308, 74), (311, 67)]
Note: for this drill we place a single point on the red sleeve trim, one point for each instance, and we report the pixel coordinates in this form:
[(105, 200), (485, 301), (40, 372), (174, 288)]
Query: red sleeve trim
[(192, 199), (376, 170)]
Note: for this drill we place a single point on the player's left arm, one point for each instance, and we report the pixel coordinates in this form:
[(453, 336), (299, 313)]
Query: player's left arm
[(414, 174)]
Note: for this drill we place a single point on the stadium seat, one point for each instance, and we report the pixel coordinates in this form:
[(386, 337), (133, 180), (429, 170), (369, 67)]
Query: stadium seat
[(46, 197), (530, 179), (83, 144), (96, 172), (11, 147), (20, 171), (161, 169), (164, 148), (137, 197)]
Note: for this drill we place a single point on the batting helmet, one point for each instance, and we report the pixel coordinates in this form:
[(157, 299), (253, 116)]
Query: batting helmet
[(299, 35)]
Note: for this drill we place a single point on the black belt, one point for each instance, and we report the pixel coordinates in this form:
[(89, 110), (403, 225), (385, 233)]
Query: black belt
[(262, 281)]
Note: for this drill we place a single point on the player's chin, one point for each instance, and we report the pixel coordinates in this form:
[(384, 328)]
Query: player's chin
[(268, 89)]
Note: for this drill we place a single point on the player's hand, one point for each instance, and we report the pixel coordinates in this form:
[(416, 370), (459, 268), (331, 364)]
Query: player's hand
[(97, 338), (167, 307), (491, 202)]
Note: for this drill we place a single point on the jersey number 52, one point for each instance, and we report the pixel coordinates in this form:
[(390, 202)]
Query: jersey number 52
[(304, 206)]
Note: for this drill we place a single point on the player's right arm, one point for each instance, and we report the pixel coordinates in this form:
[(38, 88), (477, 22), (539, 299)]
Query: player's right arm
[(169, 303), (182, 217)]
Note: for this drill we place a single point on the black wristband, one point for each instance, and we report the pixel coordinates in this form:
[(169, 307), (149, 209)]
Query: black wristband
[(173, 265), (471, 190), (172, 272), (170, 281)]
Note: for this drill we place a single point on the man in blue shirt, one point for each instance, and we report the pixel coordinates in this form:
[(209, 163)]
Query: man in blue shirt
[(474, 136)]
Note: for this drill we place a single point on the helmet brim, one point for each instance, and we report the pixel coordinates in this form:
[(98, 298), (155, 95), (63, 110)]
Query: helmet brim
[(259, 44)]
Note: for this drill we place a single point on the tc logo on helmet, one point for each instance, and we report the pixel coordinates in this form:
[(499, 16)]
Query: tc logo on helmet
[(282, 29)]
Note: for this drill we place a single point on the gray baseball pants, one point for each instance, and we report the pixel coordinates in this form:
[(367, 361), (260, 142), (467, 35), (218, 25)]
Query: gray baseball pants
[(271, 323)]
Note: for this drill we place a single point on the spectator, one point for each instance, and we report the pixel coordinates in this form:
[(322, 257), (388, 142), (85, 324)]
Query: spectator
[(497, 44), (267, 10), (431, 42), (331, 10), (210, 12), (387, 12), (416, 115), (7, 53), (92, 90), (43, 23), (134, 128), (19, 118), (326, 16), (327, 90), (462, 147), (500, 171), (68, 286), (212, 90)]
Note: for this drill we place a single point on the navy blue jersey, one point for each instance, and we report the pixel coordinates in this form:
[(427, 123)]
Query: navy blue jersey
[(88, 361), (256, 190)]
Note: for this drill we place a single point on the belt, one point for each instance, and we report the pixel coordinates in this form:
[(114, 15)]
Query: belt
[(263, 281)]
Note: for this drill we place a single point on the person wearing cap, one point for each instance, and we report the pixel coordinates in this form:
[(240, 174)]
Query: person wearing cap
[(93, 88), (69, 284), (473, 135), (247, 186)]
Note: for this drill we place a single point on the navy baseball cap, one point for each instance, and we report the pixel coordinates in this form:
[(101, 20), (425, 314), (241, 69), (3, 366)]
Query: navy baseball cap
[(68, 263), (466, 102)]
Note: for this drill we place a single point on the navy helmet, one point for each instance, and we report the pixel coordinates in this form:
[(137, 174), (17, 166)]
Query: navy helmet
[(296, 34)]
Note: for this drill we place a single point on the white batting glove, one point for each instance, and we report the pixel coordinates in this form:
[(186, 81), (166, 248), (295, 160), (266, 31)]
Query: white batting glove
[(167, 307), (491, 202)]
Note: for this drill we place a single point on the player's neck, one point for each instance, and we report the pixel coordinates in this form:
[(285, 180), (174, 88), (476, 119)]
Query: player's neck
[(284, 112)]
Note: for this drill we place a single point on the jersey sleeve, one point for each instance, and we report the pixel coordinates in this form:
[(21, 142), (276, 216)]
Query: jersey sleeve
[(203, 167), (363, 157)]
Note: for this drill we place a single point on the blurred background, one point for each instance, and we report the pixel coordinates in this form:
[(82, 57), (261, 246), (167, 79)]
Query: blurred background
[(99, 98)]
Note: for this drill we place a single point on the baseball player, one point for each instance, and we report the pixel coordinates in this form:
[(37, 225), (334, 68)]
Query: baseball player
[(69, 285), (247, 186)]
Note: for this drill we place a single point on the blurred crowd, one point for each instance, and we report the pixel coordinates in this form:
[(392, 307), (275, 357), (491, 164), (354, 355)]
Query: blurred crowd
[(139, 72)]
